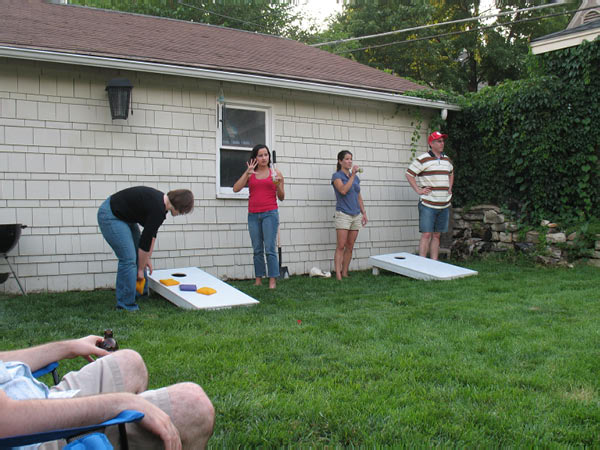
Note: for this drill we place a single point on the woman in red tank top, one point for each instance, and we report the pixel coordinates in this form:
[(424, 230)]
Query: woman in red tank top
[(265, 185)]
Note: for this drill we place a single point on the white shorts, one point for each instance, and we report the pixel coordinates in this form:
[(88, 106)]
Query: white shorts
[(345, 221)]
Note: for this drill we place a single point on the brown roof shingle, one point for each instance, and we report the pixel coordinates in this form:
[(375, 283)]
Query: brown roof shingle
[(35, 24)]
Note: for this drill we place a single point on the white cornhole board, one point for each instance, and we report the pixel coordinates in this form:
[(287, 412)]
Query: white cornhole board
[(418, 267), (225, 297)]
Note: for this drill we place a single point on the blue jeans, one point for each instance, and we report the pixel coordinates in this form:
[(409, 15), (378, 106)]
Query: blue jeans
[(263, 233), (433, 220), (124, 239)]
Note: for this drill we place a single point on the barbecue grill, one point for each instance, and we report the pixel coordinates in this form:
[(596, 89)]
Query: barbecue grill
[(9, 237)]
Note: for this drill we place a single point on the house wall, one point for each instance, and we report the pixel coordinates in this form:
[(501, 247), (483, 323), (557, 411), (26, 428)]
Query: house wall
[(61, 155)]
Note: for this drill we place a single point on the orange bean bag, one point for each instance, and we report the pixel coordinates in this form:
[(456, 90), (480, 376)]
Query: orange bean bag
[(206, 291)]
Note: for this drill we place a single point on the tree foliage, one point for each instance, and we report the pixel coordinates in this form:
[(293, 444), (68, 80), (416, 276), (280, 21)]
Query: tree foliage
[(534, 145), (458, 56), (261, 16)]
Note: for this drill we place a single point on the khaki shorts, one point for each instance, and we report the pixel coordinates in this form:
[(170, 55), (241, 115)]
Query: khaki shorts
[(104, 376), (345, 221)]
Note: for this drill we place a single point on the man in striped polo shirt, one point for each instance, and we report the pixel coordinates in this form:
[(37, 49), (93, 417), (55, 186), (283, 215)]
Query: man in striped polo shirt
[(431, 175)]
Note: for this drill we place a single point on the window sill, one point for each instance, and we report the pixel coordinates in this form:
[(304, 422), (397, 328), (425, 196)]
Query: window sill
[(235, 196)]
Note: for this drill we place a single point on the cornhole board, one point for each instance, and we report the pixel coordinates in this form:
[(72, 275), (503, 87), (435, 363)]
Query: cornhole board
[(418, 267), (226, 296)]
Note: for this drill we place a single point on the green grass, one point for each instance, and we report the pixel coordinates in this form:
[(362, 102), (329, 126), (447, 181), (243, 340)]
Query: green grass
[(506, 358)]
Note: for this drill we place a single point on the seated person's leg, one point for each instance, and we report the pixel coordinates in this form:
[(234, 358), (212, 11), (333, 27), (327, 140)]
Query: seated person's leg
[(187, 404), (189, 408), (122, 371)]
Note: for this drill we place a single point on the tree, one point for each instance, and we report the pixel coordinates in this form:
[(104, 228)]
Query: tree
[(458, 56), (262, 16)]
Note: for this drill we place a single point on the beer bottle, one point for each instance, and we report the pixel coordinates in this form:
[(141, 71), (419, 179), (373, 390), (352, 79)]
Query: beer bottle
[(108, 343)]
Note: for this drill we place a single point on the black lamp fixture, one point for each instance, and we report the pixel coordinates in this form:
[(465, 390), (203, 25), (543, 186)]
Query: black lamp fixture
[(119, 97)]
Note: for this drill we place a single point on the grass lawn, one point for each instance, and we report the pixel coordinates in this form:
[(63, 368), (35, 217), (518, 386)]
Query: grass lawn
[(506, 358)]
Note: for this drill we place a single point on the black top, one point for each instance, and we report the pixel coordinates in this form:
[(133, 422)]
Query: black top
[(143, 205)]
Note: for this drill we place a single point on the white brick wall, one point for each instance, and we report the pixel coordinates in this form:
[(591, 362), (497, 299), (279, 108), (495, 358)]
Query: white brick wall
[(61, 155)]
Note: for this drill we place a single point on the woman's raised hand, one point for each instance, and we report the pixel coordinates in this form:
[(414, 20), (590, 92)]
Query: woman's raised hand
[(251, 166)]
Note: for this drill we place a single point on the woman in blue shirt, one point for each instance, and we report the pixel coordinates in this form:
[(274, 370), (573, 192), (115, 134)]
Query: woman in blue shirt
[(350, 212)]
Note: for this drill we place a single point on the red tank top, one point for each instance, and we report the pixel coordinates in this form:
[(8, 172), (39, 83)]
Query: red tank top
[(262, 195)]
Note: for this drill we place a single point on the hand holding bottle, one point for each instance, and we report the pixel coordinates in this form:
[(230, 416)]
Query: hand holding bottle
[(108, 343)]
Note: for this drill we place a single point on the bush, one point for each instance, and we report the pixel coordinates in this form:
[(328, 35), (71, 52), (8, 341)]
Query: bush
[(533, 145)]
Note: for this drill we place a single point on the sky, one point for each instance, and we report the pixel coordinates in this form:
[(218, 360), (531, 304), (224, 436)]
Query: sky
[(320, 9)]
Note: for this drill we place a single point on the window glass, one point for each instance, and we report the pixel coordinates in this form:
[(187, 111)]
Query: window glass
[(243, 127), (240, 129), (233, 164)]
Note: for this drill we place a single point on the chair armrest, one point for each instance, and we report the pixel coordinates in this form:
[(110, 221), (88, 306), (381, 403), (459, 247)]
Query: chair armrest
[(44, 370), (125, 416), (52, 367)]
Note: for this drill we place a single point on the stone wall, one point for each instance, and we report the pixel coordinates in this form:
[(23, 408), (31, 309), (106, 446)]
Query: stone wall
[(595, 257), (484, 229)]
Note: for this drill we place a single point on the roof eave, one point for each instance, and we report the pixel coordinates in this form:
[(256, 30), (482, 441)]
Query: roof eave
[(544, 45), (218, 75)]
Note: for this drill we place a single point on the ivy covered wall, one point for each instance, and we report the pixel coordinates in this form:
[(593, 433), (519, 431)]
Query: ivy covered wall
[(533, 145)]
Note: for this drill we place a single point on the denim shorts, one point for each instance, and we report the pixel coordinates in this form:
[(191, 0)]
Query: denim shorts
[(433, 220)]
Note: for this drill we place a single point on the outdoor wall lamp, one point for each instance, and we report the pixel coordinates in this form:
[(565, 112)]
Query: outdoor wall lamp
[(119, 97), (444, 114)]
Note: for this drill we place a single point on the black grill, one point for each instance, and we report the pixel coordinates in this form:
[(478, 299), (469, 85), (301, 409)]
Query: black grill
[(9, 237)]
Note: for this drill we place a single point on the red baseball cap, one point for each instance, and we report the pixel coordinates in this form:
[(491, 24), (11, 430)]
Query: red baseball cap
[(435, 136)]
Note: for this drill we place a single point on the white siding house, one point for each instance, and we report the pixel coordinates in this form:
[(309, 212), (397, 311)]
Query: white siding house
[(61, 154)]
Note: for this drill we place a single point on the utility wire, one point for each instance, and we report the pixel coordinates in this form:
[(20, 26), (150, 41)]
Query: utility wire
[(217, 14), (453, 33), (470, 19)]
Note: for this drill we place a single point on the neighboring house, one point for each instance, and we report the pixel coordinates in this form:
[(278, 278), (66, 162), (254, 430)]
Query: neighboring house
[(584, 26), (202, 97)]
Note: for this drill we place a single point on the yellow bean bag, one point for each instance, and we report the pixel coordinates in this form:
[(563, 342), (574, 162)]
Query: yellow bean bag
[(206, 291), (139, 285), (169, 282)]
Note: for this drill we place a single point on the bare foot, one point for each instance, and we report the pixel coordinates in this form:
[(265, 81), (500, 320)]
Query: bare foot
[(258, 282), (272, 283), (338, 277)]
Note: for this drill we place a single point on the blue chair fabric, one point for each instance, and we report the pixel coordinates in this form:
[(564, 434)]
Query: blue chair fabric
[(94, 441)]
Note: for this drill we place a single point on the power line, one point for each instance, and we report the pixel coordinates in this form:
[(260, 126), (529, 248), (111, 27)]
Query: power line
[(470, 19), (217, 14), (453, 33)]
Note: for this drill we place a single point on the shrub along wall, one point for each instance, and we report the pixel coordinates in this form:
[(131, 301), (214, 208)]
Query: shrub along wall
[(533, 145)]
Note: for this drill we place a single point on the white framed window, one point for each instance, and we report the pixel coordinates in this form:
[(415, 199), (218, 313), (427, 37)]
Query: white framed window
[(239, 128)]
